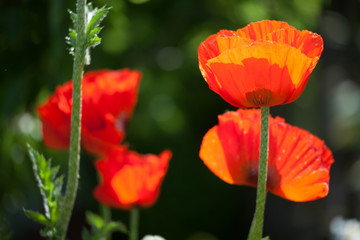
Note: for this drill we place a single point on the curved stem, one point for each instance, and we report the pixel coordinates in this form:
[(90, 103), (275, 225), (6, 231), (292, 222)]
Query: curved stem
[(256, 228), (134, 223), (74, 154)]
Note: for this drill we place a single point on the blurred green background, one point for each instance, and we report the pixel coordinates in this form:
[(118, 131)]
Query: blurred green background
[(175, 109)]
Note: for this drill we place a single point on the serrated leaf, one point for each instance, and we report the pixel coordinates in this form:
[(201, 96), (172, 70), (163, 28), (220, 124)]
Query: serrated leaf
[(58, 183), (37, 217), (95, 17), (94, 41), (50, 188), (54, 171), (57, 198), (40, 168), (94, 31)]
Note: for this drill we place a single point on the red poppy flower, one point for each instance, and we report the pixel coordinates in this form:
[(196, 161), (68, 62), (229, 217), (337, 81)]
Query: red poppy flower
[(298, 162), (129, 179), (266, 63), (108, 99)]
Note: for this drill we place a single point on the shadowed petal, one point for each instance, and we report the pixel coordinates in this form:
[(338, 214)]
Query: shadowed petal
[(108, 99), (298, 162)]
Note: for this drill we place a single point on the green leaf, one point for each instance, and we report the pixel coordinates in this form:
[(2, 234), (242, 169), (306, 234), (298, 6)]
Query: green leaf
[(94, 220), (50, 188), (266, 238), (73, 17), (41, 172), (100, 229), (48, 232), (109, 228), (37, 217), (94, 41), (138, 1), (95, 16), (71, 39), (114, 227)]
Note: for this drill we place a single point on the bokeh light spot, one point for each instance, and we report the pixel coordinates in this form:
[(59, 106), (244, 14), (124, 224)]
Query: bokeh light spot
[(169, 58)]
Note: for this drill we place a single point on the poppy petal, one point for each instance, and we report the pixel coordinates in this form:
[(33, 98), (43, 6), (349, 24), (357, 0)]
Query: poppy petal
[(208, 50), (258, 30), (299, 162), (279, 80), (54, 113), (130, 179), (270, 61), (309, 43), (103, 122)]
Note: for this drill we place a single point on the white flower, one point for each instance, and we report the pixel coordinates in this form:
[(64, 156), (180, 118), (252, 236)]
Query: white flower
[(343, 229), (153, 237)]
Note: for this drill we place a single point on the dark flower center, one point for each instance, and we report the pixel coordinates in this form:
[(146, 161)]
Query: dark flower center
[(260, 97), (273, 178)]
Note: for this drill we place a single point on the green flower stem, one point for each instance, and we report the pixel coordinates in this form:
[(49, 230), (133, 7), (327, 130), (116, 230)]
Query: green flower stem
[(256, 228), (134, 223), (106, 214), (74, 154)]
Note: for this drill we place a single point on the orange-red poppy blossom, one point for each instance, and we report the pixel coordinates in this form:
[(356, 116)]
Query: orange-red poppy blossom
[(108, 100), (298, 162), (129, 179), (266, 63)]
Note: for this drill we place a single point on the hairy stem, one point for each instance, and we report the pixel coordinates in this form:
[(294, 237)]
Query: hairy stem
[(256, 229), (74, 154)]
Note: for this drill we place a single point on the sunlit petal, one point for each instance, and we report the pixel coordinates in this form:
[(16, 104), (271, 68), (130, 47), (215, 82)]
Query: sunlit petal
[(266, 63), (299, 163), (129, 179)]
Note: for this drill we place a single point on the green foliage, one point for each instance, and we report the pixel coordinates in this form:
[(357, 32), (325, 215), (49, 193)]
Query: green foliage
[(94, 16), (266, 238), (71, 39), (8, 236), (138, 1), (101, 229), (50, 188), (4, 232)]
